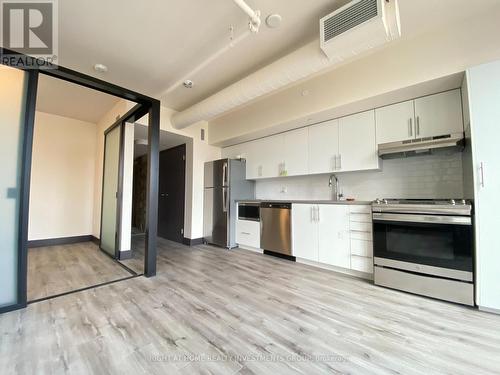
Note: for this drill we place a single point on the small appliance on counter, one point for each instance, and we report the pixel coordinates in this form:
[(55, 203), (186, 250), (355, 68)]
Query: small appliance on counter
[(425, 247), (225, 183)]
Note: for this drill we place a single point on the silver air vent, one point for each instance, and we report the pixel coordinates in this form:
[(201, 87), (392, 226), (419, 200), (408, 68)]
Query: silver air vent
[(423, 146), (349, 18)]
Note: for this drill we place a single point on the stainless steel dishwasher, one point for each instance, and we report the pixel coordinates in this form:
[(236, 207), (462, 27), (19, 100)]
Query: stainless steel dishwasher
[(276, 227)]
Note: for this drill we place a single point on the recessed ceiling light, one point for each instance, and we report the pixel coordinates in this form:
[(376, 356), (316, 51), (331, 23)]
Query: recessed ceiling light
[(101, 68), (188, 84), (273, 21)]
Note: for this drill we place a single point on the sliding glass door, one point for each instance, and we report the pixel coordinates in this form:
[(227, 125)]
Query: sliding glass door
[(110, 191), (13, 96)]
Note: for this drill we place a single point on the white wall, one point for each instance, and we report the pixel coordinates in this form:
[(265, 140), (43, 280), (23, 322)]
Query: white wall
[(404, 63), (62, 177), (128, 179), (433, 176)]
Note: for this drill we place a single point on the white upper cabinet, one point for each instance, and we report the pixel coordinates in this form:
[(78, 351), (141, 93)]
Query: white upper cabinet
[(357, 143), (235, 152), (264, 157), (324, 147), (251, 162), (429, 116), (395, 122), (295, 153), (439, 114), (350, 143), (334, 237), (305, 231)]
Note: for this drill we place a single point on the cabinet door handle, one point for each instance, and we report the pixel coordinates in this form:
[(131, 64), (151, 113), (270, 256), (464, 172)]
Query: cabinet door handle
[(317, 210), (481, 174), (334, 162), (410, 127), (312, 214), (245, 233), (340, 161), (417, 131)]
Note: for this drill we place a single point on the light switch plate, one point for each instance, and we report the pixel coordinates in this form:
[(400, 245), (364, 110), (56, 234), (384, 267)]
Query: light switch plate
[(12, 193)]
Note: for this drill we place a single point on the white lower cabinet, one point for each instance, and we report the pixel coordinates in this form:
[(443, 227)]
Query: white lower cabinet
[(305, 231), (333, 244), (361, 264), (248, 233), (333, 234), (361, 227)]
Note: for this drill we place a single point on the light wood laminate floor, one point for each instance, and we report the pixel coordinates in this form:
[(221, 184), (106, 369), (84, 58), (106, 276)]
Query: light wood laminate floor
[(225, 312), (60, 269)]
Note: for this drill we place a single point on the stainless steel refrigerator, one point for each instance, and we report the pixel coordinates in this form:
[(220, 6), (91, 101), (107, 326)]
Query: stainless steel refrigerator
[(225, 183)]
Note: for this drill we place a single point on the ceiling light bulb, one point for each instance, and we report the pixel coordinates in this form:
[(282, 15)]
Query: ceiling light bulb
[(188, 84), (273, 21), (101, 68)]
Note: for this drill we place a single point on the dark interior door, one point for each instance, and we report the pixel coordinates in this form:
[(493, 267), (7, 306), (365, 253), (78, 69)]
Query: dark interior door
[(171, 193)]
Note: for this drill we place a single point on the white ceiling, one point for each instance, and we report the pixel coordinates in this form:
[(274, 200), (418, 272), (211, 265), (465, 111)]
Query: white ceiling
[(149, 46), (67, 99), (167, 140)]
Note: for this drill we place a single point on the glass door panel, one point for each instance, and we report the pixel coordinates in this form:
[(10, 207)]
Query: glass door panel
[(110, 191), (13, 92)]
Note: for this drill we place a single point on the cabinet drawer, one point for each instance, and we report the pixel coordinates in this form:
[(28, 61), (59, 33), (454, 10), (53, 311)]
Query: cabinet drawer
[(359, 217), (248, 233), (364, 236), (361, 227), (361, 209), (362, 248), (362, 264)]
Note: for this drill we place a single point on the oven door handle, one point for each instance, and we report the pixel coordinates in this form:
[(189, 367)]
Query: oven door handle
[(430, 219)]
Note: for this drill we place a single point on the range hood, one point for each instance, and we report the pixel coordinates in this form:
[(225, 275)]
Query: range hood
[(422, 146)]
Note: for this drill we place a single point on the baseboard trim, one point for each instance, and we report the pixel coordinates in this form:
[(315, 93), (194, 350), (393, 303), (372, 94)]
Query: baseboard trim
[(124, 255), (489, 310), (345, 271), (250, 248), (60, 241), (279, 255), (192, 241), (96, 240)]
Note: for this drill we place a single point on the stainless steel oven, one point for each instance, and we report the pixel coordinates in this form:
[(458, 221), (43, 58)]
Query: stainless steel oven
[(425, 247)]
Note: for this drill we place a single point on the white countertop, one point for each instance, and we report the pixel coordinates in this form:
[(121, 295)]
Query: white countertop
[(304, 201)]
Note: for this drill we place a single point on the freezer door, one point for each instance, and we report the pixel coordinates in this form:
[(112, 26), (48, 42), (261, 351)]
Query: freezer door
[(216, 173), (216, 210)]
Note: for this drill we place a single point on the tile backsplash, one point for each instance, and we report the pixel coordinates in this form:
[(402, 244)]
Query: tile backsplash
[(430, 176)]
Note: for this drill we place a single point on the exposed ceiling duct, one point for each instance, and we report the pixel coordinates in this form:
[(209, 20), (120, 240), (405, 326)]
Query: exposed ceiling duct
[(299, 64)]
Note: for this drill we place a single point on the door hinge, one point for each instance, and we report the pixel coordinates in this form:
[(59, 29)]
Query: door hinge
[(184, 157), (182, 231)]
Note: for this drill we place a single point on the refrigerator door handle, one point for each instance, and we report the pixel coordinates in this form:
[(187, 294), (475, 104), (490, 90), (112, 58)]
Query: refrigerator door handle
[(224, 200), (224, 174)]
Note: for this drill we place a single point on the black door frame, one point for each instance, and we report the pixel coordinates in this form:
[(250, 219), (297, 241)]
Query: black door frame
[(147, 104)]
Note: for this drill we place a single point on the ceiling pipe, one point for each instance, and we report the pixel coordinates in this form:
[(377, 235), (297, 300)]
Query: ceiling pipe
[(207, 61), (301, 63), (295, 66), (254, 22)]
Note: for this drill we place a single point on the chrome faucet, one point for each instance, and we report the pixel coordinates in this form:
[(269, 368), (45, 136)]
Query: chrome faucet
[(337, 195)]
